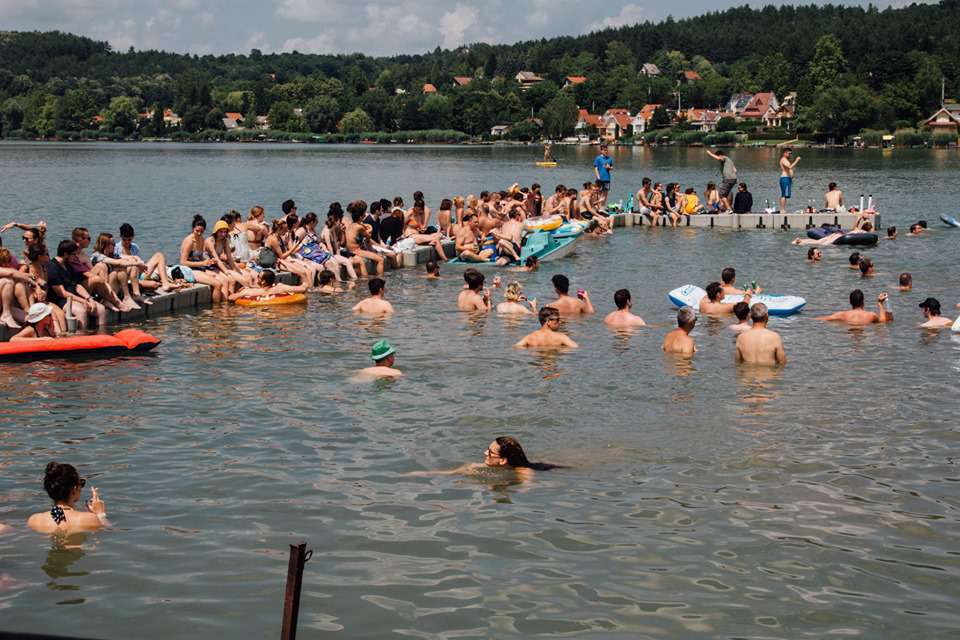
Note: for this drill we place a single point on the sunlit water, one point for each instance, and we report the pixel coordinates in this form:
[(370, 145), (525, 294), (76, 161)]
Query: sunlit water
[(703, 499)]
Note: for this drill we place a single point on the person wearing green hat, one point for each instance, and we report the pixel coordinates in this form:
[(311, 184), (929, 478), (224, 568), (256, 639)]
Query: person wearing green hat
[(382, 354)]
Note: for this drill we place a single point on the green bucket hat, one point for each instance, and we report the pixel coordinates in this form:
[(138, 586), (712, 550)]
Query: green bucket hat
[(381, 349)]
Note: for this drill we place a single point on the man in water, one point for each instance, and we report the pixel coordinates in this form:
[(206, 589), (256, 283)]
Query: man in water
[(267, 285), (759, 345), (854, 260), (742, 311), (467, 243), (833, 198), (475, 297), (711, 303), (382, 355), (375, 305), (906, 282), (786, 177), (729, 171), (433, 270), (891, 233), (623, 318), (866, 267), (931, 311), (743, 201), (567, 305), (729, 278), (548, 335), (530, 264), (916, 229), (602, 165), (679, 340), (825, 240), (814, 254), (857, 315)]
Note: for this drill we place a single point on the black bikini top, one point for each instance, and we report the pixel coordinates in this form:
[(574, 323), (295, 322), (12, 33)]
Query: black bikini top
[(57, 514)]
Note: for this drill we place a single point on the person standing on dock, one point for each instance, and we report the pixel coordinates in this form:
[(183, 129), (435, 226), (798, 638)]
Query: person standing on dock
[(602, 165), (786, 177), (729, 171)]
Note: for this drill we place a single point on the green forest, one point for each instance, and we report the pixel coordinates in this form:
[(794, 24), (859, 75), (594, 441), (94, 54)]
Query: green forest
[(853, 68)]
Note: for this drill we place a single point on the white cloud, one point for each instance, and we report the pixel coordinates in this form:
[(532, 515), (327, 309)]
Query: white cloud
[(454, 25), (257, 40), (205, 18), (315, 10), (322, 43), (629, 14), (182, 4), (539, 14)]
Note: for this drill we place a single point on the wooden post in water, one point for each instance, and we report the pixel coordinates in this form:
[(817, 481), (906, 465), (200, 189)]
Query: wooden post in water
[(291, 599)]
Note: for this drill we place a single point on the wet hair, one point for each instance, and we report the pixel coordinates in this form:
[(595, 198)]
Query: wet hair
[(867, 227), (288, 206), (906, 280), (759, 313), (66, 247), (686, 317), (512, 452), (531, 261), (561, 283), (198, 221), (445, 204), (865, 265), (854, 258), (891, 231), (741, 310), (357, 208), (126, 230), (811, 252), (35, 251), (78, 233), (856, 298), (431, 266), (546, 313), (728, 275), (714, 289), (376, 285), (915, 227), (103, 240), (59, 480), (269, 277), (786, 150), (831, 186), (473, 278), (326, 277), (621, 298)]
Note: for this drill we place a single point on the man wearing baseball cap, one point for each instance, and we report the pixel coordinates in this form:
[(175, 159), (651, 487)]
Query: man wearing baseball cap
[(931, 311)]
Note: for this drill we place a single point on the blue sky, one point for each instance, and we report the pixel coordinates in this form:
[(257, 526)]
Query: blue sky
[(374, 27)]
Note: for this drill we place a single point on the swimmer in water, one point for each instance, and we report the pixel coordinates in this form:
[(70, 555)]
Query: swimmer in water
[(742, 311), (382, 354), (729, 278), (433, 270), (759, 345), (679, 340), (623, 318), (906, 282), (548, 335), (513, 305), (857, 315), (814, 254), (375, 305), (504, 453), (64, 485), (931, 312), (711, 303)]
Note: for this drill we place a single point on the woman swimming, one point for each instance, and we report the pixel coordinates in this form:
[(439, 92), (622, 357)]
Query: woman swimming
[(64, 485)]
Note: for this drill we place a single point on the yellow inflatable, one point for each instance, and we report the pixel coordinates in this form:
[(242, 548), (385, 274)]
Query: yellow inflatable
[(267, 301), (543, 224)]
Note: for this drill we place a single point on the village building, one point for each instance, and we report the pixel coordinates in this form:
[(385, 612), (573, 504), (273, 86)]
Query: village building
[(759, 105), (500, 130), (429, 88), (527, 79), (571, 81), (616, 123), (461, 81), (945, 120), (650, 70), (589, 125)]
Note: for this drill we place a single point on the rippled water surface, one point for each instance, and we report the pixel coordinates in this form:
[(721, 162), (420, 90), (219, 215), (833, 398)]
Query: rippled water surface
[(702, 499)]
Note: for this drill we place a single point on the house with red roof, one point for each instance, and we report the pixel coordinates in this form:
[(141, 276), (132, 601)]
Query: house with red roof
[(641, 121), (589, 124), (759, 105), (461, 81), (572, 81), (616, 123), (429, 88), (689, 76), (783, 115), (945, 120), (704, 119)]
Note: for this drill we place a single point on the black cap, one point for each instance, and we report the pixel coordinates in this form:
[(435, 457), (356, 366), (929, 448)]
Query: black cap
[(932, 304)]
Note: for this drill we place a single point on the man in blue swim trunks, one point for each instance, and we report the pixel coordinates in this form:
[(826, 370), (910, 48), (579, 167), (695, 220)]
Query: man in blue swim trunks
[(786, 177), (602, 165)]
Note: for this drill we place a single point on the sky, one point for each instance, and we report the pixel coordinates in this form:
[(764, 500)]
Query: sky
[(373, 27)]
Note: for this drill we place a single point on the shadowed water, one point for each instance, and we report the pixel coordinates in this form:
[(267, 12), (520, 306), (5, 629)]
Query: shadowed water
[(703, 499)]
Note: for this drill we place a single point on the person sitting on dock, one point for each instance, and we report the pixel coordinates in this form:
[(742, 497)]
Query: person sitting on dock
[(548, 335), (759, 345), (39, 324), (267, 286), (645, 204), (906, 282), (742, 311), (514, 299), (743, 201), (65, 290), (623, 317), (729, 278), (691, 202), (468, 241), (833, 198), (358, 235), (567, 305), (554, 203), (96, 278), (64, 486), (474, 297), (711, 199), (415, 227), (16, 287), (375, 305), (153, 269), (679, 341), (383, 355), (711, 303), (931, 312), (857, 315)]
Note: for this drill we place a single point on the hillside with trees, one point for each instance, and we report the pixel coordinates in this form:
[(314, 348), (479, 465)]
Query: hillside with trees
[(852, 68)]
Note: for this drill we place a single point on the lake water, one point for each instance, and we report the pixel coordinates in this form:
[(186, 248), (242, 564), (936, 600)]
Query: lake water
[(703, 500)]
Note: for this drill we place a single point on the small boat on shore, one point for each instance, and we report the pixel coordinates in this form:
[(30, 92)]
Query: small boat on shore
[(542, 245)]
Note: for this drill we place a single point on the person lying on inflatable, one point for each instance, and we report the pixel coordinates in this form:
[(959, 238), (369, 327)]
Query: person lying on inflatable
[(267, 285)]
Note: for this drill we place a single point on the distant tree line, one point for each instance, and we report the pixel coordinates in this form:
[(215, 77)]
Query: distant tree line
[(852, 68)]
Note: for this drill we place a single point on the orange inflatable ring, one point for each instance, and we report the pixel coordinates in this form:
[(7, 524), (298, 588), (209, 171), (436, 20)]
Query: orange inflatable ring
[(268, 301), (126, 341)]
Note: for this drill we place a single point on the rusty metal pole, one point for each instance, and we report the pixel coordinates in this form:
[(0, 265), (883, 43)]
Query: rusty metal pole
[(291, 600)]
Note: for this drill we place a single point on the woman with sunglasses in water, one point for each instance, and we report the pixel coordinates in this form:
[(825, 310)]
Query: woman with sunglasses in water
[(64, 486), (503, 453)]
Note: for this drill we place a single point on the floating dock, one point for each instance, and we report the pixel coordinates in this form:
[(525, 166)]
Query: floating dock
[(200, 296)]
